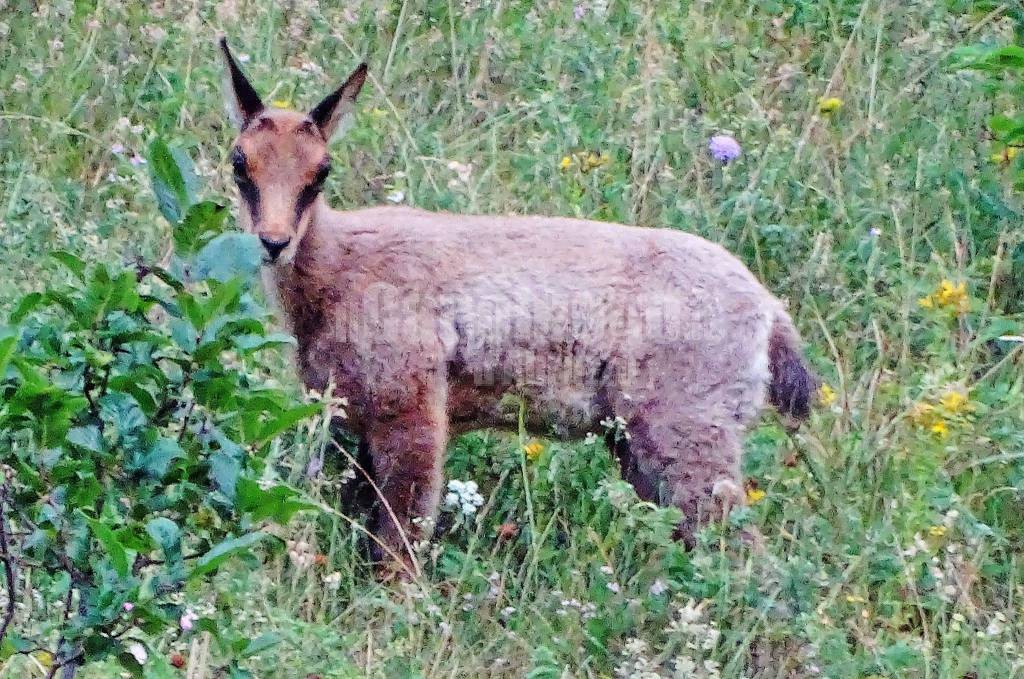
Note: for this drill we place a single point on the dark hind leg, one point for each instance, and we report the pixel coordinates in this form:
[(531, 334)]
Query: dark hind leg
[(646, 486), (686, 462), (358, 497)]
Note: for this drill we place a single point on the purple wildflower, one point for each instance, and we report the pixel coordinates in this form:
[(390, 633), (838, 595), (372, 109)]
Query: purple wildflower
[(315, 466), (578, 11), (137, 160), (188, 620), (724, 148), (117, 148)]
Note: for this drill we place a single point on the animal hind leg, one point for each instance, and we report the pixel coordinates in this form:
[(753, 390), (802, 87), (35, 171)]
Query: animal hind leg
[(687, 462), (645, 484)]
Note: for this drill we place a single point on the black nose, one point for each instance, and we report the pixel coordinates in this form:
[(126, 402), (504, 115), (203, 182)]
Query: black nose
[(274, 247)]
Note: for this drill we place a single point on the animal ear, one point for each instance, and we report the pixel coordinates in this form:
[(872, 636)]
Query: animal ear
[(240, 97), (336, 106)]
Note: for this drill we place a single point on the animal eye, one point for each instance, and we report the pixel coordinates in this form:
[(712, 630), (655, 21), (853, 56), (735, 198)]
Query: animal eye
[(238, 163)]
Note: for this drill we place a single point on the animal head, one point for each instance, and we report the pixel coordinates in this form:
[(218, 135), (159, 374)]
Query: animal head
[(280, 157)]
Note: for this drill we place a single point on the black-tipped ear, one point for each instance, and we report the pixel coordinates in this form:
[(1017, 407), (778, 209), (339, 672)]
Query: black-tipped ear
[(330, 112), (242, 101)]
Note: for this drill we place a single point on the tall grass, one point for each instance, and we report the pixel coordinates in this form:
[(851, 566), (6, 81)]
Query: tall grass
[(891, 530)]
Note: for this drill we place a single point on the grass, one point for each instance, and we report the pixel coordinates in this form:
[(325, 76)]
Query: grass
[(891, 521)]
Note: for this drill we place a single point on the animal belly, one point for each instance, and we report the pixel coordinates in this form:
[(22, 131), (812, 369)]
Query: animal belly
[(547, 402)]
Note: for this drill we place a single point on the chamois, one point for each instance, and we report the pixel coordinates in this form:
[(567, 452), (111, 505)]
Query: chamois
[(431, 324)]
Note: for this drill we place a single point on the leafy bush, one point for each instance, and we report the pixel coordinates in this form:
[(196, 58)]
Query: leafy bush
[(134, 439)]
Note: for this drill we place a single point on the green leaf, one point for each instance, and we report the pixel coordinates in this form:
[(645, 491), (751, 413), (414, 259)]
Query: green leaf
[(142, 383), (14, 644), (158, 460), (225, 467), (202, 221), (249, 344), (167, 536), (122, 411), (227, 256), (192, 311), (260, 644), (1008, 57), (25, 306), (287, 419), (8, 345), (223, 298), (213, 559), (168, 173), (277, 503), (900, 656), (74, 264), (236, 672), (88, 437), (115, 550), (85, 490)]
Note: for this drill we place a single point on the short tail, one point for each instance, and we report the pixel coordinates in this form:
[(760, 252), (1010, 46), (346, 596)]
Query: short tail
[(793, 384)]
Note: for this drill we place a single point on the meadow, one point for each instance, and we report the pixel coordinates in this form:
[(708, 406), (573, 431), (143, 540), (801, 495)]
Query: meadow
[(870, 193)]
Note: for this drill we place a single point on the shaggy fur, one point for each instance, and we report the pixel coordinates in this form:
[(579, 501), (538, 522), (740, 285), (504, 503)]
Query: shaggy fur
[(429, 322)]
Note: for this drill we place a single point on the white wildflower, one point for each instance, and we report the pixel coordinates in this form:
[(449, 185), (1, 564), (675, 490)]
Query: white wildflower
[(463, 495), (616, 425), (138, 651), (300, 553), (332, 581)]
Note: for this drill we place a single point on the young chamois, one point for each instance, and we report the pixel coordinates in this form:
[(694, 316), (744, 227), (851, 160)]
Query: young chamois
[(434, 324)]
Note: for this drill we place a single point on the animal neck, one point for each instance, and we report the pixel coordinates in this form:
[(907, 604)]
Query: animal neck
[(297, 285)]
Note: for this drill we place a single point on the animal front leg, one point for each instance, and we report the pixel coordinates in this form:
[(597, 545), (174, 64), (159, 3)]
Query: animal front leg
[(408, 457)]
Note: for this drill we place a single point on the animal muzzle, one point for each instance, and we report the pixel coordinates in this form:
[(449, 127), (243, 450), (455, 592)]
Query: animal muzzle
[(274, 245)]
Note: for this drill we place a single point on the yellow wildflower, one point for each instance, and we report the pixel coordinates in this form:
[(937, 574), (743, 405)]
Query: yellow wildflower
[(854, 599), (566, 163), (826, 395), (281, 103), (829, 105), (755, 495), (937, 531), (594, 160), (533, 449), (940, 429), (1005, 156), (948, 295), (954, 402)]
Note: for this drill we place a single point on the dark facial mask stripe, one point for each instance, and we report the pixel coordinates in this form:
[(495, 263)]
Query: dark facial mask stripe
[(310, 192), (246, 187)]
